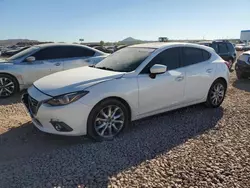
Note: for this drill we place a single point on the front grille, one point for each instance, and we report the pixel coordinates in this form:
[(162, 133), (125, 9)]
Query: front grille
[(33, 104)]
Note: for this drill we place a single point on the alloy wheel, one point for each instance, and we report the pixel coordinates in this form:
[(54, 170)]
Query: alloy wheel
[(217, 94), (7, 87), (109, 121)]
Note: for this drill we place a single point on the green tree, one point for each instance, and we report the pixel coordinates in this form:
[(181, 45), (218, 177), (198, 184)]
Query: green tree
[(102, 43)]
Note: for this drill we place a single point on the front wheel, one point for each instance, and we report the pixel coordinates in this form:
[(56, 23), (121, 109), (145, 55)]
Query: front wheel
[(107, 119), (216, 94), (8, 86)]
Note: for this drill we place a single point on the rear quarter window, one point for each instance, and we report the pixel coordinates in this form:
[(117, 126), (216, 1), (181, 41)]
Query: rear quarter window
[(206, 55)]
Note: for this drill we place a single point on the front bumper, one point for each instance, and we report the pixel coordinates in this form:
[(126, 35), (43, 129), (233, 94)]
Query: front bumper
[(74, 115)]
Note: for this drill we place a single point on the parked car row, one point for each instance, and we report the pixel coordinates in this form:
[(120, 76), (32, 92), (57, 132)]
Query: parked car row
[(242, 66), (110, 49), (242, 47), (224, 49), (11, 52), (102, 99), (21, 70)]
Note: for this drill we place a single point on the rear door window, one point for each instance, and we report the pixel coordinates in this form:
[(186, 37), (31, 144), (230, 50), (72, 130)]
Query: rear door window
[(192, 56), (206, 55), (74, 51)]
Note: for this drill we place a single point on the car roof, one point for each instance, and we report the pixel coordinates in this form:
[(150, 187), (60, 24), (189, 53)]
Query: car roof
[(56, 44), (66, 44), (155, 45), (160, 45), (205, 42)]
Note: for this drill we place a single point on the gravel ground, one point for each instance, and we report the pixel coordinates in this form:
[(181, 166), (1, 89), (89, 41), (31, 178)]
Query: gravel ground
[(190, 147)]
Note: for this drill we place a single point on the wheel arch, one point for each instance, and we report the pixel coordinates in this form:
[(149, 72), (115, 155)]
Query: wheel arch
[(119, 99), (11, 75), (223, 80), (219, 78)]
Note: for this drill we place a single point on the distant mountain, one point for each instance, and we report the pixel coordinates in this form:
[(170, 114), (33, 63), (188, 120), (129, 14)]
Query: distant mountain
[(10, 42), (130, 40)]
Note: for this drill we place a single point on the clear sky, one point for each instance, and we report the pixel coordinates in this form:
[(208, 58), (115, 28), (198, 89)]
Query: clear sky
[(114, 20)]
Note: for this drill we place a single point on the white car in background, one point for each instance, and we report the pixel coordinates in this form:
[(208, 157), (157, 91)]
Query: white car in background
[(22, 69), (133, 83)]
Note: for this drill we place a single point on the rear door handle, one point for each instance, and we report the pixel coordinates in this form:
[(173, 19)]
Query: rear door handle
[(209, 70), (179, 78), (57, 64)]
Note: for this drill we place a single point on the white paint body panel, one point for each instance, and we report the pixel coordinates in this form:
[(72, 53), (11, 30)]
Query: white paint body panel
[(145, 96), (161, 92)]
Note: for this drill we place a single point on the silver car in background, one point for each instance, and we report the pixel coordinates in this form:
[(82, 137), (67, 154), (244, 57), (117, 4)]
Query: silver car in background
[(21, 70)]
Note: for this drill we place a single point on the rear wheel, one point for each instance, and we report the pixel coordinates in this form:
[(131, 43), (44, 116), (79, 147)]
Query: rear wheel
[(107, 119), (216, 94), (8, 86)]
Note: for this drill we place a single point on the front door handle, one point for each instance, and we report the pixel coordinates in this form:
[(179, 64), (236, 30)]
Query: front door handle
[(57, 64), (179, 78), (209, 70)]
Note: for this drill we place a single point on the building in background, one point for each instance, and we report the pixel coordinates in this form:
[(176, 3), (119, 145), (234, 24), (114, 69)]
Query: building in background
[(163, 39), (245, 36)]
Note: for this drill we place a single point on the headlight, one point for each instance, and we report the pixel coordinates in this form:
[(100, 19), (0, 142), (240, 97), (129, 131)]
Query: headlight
[(66, 99)]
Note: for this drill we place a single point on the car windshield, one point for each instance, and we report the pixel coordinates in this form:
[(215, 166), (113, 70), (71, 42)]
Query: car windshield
[(125, 60), (23, 53)]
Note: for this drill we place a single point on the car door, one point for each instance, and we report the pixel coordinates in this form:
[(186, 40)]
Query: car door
[(47, 61), (165, 90), (77, 57), (199, 73)]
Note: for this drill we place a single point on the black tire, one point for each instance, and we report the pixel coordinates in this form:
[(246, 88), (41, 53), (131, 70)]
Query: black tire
[(13, 88), (210, 99), (91, 123)]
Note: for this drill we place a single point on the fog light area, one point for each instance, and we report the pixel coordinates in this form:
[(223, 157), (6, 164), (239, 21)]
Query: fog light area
[(61, 126)]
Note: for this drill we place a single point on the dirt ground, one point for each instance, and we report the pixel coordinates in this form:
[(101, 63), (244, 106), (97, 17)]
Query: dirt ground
[(194, 146)]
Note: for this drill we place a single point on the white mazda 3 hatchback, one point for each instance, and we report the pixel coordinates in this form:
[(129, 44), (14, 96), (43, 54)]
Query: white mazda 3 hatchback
[(133, 83)]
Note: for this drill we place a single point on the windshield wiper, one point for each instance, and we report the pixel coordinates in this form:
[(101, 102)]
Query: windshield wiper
[(105, 68)]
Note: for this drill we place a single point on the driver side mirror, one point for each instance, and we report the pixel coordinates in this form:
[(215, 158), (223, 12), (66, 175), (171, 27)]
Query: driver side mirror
[(157, 69), (30, 59)]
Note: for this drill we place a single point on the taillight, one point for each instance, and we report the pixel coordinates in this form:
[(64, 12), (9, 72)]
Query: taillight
[(228, 64)]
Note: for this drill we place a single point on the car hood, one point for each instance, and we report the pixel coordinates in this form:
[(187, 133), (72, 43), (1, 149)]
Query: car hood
[(4, 64), (3, 61), (74, 80)]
